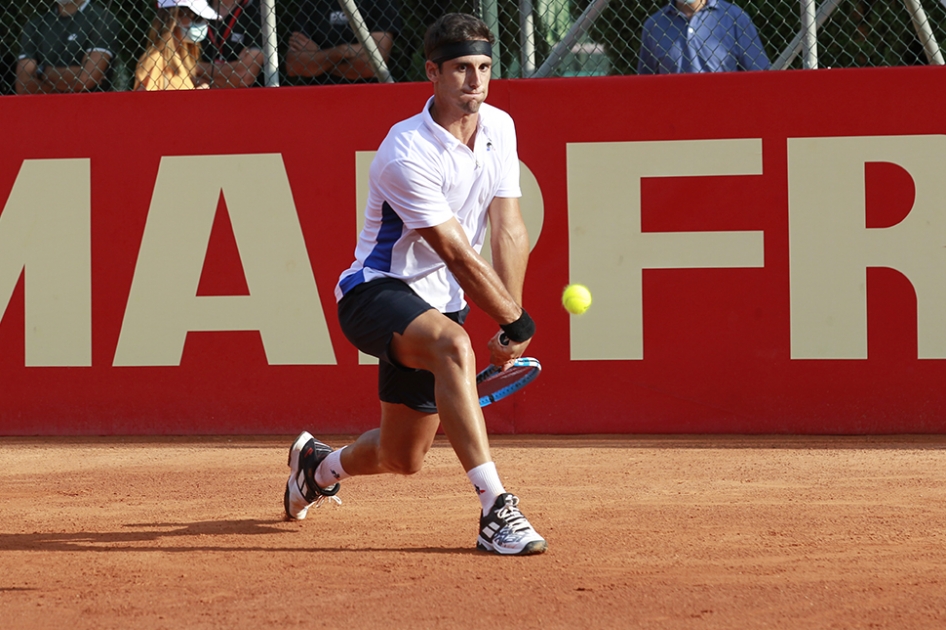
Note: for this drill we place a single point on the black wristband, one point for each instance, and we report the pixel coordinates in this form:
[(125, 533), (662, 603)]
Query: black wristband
[(520, 330)]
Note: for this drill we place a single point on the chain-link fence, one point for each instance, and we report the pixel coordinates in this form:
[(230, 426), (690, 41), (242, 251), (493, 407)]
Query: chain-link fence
[(288, 42)]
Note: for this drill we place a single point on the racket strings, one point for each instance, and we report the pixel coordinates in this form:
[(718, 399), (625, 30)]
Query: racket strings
[(504, 379), (494, 384)]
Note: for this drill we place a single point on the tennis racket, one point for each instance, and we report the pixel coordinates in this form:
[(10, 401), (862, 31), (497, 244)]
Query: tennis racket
[(494, 384)]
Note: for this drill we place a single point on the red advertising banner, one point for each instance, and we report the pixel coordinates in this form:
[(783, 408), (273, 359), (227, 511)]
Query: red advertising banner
[(766, 252)]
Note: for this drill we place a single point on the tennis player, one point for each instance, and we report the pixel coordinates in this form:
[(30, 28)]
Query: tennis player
[(435, 180)]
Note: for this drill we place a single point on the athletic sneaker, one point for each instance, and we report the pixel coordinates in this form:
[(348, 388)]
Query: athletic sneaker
[(305, 455), (506, 531)]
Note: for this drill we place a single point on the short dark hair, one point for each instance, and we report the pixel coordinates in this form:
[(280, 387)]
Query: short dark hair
[(453, 28)]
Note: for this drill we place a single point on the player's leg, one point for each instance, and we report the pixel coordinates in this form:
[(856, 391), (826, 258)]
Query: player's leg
[(409, 411), (302, 492), (442, 347), (371, 314), (427, 366), (398, 446)]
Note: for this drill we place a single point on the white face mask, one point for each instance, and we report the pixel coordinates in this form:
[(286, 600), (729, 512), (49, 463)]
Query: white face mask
[(196, 33)]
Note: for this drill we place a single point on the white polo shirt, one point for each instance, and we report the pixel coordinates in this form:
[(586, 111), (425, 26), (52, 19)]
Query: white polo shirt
[(423, 176)]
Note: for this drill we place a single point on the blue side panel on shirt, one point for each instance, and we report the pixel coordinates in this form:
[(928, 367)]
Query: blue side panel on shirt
[(390, 232), (380, 257), (352, 281)]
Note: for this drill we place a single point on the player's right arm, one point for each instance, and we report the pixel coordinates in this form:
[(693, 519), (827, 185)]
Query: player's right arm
[(415, 190), (480, 282)]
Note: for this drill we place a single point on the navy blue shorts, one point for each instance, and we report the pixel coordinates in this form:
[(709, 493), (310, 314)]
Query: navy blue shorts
[(370, 314)]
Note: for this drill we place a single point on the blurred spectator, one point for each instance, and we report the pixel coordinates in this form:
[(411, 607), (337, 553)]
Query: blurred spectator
[(232, 55), (170, 61), (323, 48), (700, 36), (67, 49)]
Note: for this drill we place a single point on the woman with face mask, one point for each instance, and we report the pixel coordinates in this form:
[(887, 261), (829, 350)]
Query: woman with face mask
[(170, 62)]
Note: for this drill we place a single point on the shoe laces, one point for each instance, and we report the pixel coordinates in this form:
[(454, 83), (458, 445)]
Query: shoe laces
[(322, 499), (511, 516), (304, 489)]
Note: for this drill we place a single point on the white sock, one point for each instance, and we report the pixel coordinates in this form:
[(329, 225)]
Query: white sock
[(486, 481), (330, 471)]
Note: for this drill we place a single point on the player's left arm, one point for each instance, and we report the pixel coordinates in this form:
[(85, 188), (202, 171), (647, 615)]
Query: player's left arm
[(509, 244), (509, 247)]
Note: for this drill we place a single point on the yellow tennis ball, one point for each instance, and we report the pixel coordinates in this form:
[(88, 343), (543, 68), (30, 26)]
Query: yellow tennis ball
[(576, 299)]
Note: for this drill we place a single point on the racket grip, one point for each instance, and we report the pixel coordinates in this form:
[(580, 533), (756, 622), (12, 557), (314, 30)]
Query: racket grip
[(503, 339)]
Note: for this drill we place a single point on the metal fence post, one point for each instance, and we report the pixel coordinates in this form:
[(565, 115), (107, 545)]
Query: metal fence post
[(490, 15), (794, 47), (924, 32), (357, 23), (576, 32), (809, 27), (270, 43), (527, 37)]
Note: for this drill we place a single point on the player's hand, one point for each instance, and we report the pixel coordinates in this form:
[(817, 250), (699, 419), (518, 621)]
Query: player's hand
[(504, 354)]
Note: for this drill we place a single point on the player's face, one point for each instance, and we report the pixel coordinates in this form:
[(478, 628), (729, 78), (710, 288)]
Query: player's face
[(462, 83)]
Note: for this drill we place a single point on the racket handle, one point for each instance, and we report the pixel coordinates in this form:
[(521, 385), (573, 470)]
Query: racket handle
[(503, 339)]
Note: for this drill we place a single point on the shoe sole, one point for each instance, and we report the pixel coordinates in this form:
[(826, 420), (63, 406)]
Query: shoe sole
[(295, 449), (285, 502), (531, 549)]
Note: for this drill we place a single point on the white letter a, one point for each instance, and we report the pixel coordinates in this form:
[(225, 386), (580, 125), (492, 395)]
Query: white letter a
[(283, 304)]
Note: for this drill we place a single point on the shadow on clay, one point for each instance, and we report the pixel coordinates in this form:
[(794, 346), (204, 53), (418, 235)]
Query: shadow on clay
[(156, 536)]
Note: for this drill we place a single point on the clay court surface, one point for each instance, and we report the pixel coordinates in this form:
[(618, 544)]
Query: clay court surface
[(644, 532)]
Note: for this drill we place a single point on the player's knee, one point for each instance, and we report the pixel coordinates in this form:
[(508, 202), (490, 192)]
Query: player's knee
[(402, 464), (456, 348)]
